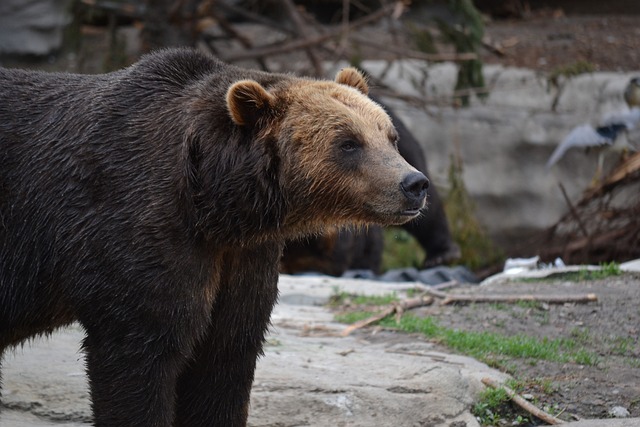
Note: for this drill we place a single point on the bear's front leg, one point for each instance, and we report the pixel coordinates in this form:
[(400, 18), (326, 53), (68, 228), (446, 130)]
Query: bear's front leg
[(134, 359), (215, 386)]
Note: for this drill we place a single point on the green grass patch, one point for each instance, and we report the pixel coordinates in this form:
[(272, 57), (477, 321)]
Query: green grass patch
[(489, 407), (622, 345), (489, 347), (587, 358), (606, 270), (354, 316), (634, 363), (520, 386), (535, 305), (494, 408), (339, 298), (581, 335), (571, 70)]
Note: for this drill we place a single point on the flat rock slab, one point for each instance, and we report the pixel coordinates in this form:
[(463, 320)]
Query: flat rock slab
[(620, 422), (310, 376)]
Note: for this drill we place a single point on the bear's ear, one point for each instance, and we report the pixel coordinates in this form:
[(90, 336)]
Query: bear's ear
[(247, 101), (351, 77)]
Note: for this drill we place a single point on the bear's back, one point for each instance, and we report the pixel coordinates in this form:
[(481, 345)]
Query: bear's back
[(76, 149)]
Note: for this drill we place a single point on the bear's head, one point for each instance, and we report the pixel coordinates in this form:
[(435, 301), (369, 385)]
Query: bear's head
[(336, 151)]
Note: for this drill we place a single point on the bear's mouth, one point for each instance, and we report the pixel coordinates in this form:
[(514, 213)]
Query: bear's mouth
[(410, 212), (400, 217), (397, 216)]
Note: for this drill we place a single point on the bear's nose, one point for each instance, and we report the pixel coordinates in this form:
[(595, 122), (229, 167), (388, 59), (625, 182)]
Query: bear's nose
[(414, 186)]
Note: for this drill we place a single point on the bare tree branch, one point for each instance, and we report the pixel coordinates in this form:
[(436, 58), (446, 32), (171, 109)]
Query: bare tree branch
[(280, 48)]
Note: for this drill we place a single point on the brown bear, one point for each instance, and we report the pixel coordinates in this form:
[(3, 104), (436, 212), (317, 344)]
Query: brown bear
[(152, 204)]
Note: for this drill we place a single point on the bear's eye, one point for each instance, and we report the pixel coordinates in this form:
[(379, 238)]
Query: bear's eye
[(349, 146), (395, 138)]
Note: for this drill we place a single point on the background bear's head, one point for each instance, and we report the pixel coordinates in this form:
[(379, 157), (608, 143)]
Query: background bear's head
[(338, 161)]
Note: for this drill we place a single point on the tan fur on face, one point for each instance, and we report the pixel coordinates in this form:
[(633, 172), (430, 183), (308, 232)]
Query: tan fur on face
[(319, 116), (322, 109)]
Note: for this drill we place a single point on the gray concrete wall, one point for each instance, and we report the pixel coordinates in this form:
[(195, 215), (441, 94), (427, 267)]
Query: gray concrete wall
[(32, 27)]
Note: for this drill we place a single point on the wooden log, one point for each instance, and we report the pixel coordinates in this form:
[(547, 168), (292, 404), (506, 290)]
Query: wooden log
[(511, 299)]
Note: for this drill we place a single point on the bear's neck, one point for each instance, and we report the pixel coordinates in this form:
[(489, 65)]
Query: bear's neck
[(235, 189)]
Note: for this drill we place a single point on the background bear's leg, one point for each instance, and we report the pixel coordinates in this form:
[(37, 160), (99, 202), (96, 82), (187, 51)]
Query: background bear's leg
[(368, 245), (431, 229), (215, 386)]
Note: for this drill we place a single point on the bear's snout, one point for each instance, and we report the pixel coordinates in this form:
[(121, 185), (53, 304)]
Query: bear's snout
[(414, 186)]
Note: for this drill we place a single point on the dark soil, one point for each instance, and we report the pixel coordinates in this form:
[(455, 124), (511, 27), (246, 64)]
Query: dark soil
[(607, 329), (549, 42)]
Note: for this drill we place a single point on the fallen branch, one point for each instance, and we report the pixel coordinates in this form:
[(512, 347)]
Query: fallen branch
[(573, 211), (604, 238), (549, 299), (523, 403), (494, 48), (447, 298), (424, 101), (310, 42), (300, 29), (398, 308), (446, 285), (436, 290), (408, 53), (254, 17), (625, 170)]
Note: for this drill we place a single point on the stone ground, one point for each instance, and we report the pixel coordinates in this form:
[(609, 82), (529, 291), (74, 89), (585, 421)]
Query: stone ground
[(310, 376)]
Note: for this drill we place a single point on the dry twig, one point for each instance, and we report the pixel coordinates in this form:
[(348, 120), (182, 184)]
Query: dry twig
[(573, 211), (398, 308), (523, 403), (604, 225)]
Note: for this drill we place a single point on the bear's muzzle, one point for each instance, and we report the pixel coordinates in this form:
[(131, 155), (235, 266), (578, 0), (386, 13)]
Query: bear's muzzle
[(414, 186)]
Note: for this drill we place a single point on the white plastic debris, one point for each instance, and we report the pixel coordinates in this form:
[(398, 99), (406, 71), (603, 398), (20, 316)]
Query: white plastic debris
[(518, 265)]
